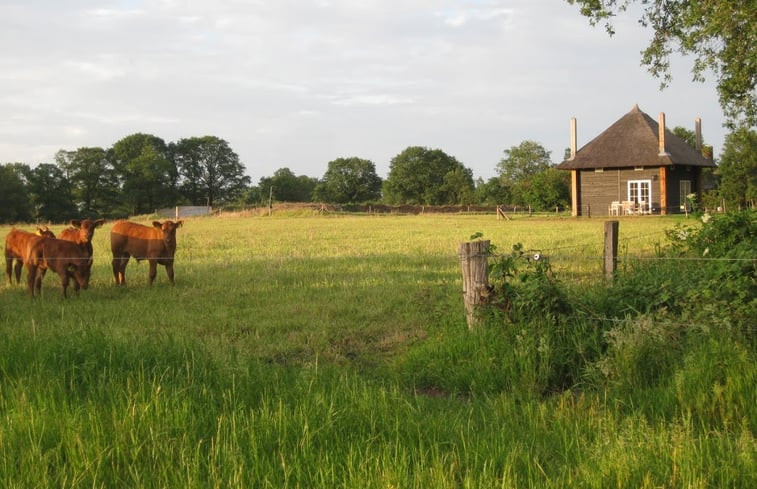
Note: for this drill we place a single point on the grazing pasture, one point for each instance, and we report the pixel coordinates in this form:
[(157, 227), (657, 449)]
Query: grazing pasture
[(288, 354)]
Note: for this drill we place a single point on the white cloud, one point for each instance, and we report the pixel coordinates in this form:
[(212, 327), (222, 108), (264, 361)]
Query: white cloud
[(302, 82)]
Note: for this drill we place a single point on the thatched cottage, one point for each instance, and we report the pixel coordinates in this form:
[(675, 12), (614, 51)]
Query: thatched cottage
[(636, 166)]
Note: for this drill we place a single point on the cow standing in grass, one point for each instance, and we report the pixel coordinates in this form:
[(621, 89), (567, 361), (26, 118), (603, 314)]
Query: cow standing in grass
[(17, 246), (156, 244), (67, 259), (81, 233)]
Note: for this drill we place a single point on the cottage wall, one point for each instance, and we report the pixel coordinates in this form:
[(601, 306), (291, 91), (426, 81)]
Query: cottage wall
[(675, 176), (600, 188)]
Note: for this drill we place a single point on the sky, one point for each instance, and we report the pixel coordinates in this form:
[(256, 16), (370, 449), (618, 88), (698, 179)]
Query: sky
[(296, 84)]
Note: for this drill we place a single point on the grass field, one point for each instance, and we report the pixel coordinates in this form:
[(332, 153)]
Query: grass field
[(329, 351)]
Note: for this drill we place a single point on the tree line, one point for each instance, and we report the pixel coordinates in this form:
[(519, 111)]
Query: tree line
[(141, 173), (137, 175)]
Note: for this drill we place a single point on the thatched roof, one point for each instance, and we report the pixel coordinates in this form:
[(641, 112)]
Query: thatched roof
[(633, 141)]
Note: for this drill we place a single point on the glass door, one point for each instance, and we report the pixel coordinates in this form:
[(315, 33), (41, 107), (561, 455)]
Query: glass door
[(684, 190), (640, 193)]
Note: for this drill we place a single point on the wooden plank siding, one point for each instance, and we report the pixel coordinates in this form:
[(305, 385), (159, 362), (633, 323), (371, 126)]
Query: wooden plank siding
[(677, 174), (599, 189)]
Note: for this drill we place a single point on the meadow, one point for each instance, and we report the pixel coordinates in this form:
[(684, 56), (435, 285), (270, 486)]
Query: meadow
[(332, 351)]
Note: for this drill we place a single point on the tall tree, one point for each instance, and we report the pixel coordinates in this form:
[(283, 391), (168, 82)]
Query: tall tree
[(738, 168), (523, 161), (687, 135), (14, 197), (546, 190), (93, 180), (492, 192), (210, 170), (720, 35), (148, 175), (421, 175), (285, 186), (50, 193), (458, 186), (349, 180)]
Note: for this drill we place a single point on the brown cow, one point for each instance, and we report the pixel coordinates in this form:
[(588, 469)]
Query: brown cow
[(65, 258), (156, 244), (82, 233), (17, 245)]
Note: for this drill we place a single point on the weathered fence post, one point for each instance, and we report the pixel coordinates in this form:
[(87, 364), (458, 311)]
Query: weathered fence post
[(474, 260), (611, 249)]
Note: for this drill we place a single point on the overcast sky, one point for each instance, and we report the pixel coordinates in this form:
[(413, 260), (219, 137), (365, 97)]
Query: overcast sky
[(295, 83)]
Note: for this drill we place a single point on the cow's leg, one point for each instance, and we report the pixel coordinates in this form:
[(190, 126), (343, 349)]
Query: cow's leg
[(38, 276), (76, 282), (153, 270), (9, 268), (31, 275), (115, 265), (119, 268), (169, 272), (64, 283), (17, 271)]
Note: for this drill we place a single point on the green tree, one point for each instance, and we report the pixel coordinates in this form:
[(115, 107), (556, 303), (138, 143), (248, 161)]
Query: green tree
[(14, 197), (522, 162), (94, 183), (738, 168), (148, 175), (720, 35), (687, 135), (492, 192), (458, 186), (50, 193), (349, 181), (287, 187), (420, 175), (546, 190), (210, 171)]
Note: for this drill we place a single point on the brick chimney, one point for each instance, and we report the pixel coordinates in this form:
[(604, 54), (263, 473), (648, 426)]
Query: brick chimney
[(661, 134), (698, 133), (573, 138)]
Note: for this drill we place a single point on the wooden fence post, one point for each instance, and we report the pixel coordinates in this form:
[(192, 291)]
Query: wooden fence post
[(474, 260), (611, 249)]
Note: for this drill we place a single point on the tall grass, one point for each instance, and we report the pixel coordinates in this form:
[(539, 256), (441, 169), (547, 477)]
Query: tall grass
[(333, 352)]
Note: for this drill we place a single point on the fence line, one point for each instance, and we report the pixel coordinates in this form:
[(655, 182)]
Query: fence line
[(542, 255)]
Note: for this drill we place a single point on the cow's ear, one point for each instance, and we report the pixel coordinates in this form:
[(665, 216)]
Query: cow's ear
[(75, 223), (156, 224), (179, 223), (99, 222)]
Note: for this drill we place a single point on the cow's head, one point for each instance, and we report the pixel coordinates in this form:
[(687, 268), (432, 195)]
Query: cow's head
[(44, 232), (85, 229), (168, 229)]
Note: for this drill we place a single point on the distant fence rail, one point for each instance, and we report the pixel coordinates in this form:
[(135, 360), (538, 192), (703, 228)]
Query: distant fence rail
[(382, 208), (185, 211)]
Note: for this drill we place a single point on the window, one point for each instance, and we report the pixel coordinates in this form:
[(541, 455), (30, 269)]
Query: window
[(640, 193), (684, 190)]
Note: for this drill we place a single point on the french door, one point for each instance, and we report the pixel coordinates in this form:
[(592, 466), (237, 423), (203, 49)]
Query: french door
[(640, 193)]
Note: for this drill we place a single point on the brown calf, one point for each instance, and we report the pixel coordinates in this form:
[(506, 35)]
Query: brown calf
[(156, 244), (65, 258), (82, 233), (17, 245)]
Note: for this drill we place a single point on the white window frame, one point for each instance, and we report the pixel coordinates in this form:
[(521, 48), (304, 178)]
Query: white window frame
[(684, 189), (636, 194)]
